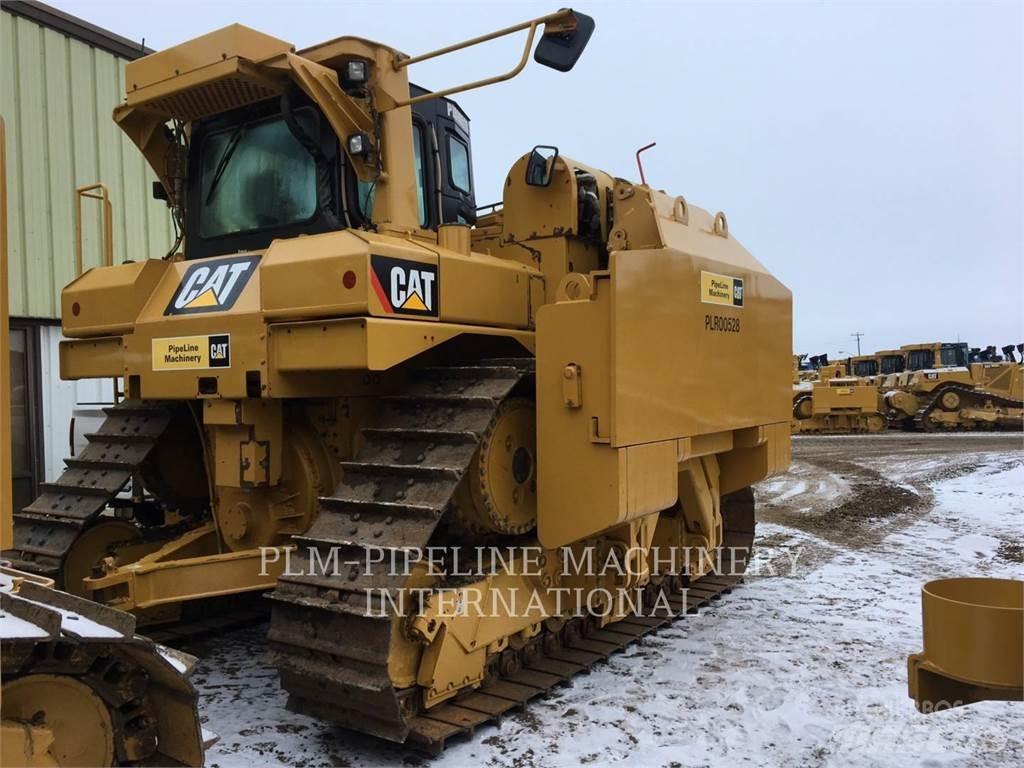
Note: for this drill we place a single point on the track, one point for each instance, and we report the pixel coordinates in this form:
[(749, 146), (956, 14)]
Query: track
[(968, 397), (332, 648), (45, 531)]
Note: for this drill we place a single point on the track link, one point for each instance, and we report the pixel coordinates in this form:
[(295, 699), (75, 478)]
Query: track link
[(46, 529)]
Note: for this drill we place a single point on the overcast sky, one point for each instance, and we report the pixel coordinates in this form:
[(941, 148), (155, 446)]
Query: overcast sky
[(870, 154)]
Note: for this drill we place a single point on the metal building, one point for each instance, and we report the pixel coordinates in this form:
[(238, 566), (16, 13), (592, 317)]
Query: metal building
[(60, 79)]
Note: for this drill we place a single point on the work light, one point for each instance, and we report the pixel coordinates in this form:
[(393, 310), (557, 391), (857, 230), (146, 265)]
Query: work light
[(354, 75), (359, 145)]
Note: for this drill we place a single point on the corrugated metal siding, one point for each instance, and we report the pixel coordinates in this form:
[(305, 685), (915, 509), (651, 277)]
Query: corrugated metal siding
[(57, 95)]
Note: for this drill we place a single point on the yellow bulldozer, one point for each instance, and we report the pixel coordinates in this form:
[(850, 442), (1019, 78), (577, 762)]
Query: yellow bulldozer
[(343, 367), (941, 389)]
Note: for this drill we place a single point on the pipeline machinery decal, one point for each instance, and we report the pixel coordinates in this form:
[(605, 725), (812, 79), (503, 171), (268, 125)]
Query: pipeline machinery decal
[(185, 353), (405, 287), (721, 289)]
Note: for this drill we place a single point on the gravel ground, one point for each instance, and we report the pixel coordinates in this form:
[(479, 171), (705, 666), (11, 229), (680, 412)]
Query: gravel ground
[(805, 665)]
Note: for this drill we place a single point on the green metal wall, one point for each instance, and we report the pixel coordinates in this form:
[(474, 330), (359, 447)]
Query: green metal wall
[(56, 96)]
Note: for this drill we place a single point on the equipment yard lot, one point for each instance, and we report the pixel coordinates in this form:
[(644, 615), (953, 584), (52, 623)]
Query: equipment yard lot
[(798, 667)]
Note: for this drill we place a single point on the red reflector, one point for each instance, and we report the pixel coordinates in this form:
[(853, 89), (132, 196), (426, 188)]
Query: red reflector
[(75, 309), (349, 279)]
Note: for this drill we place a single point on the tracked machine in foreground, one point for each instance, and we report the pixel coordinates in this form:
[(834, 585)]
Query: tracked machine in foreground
[(80, 688), (344, 365)]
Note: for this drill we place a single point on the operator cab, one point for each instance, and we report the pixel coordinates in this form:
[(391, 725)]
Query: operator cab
[(275, 170), (865, 368), (892, 364), (939, 356)]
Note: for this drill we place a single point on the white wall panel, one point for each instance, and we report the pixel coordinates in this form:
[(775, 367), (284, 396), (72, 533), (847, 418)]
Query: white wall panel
[(60, 398)]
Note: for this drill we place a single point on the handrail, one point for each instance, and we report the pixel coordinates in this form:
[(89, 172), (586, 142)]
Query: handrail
[(89, 191), (558, 16)]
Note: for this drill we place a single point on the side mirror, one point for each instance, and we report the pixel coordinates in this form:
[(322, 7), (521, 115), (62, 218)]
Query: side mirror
[(541, 165), (563, 42)]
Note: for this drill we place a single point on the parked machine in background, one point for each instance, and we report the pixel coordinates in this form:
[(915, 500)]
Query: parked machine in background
[(340, 357), (941, 389), (836, 403)]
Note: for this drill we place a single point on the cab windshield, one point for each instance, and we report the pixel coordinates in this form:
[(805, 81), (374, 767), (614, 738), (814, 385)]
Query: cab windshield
[(892, 364), (954, 355), (919, 359), (256, 176)]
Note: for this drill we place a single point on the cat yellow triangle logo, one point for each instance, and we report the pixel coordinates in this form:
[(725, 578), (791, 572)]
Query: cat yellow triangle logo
[(414, 302), (205, 299)]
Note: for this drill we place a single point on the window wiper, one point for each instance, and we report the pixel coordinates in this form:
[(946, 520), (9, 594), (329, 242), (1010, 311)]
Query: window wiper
[(222, 164)]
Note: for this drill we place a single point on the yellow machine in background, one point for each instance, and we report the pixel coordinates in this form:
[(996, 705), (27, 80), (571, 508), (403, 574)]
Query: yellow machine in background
[(836, 404), (339, 364), (941, 389)]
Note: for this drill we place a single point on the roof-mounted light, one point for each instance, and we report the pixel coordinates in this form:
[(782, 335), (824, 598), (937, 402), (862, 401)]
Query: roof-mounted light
[(355, 74)]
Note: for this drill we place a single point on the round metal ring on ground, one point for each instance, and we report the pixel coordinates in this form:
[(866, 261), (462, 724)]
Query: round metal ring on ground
[(974, 629)]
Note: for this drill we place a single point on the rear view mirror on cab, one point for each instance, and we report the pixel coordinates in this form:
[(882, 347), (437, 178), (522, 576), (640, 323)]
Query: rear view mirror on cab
[(563, 42), (541, 165)]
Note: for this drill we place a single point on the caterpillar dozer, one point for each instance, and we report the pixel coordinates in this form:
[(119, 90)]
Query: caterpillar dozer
[(343, 366), (941, 390)]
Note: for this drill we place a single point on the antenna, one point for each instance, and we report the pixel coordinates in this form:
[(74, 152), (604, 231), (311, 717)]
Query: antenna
[(641, 165)]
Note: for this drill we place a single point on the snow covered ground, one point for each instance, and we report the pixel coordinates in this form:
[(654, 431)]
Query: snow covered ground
[(804, 665)]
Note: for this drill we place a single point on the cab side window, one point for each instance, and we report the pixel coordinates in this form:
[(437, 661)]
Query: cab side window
[(458, 154), (421, 178)]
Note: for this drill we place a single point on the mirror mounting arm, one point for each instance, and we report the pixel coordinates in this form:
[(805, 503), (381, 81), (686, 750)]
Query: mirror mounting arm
[(560, 23)]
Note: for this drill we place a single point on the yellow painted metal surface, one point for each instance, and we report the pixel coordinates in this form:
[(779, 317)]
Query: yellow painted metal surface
[(973, 635), (57, 95), (844, 395)]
